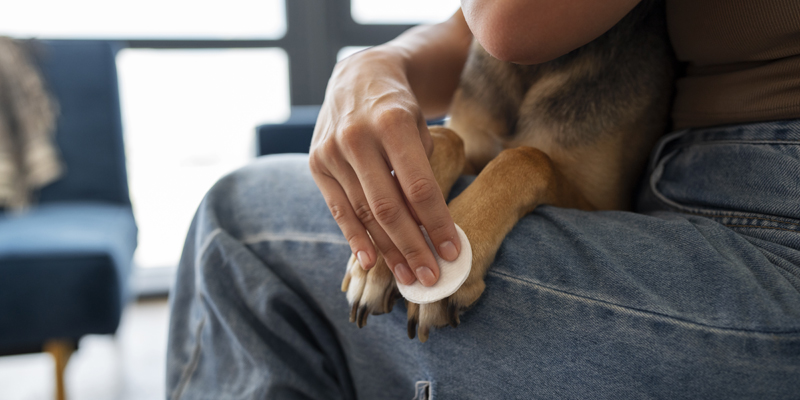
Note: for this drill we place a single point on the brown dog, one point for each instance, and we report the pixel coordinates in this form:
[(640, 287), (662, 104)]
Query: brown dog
[(574, 132)]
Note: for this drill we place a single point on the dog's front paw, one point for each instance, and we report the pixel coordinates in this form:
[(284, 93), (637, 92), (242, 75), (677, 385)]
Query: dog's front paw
[(369, 292), (446, 311)]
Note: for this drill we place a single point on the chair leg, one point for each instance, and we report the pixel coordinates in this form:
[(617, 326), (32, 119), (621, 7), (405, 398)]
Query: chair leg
[(61, 350)]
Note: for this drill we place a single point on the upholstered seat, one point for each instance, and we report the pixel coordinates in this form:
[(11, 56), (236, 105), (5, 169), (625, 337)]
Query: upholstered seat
[(64, 271), (65, 262)]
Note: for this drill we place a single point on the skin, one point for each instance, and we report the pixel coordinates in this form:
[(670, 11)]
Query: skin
[(537, 31), (372, 121)]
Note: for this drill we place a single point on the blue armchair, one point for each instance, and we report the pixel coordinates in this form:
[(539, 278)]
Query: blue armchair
[(292, 136), (65, 263)]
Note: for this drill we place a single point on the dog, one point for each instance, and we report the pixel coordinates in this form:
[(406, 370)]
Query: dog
[(573, 132)]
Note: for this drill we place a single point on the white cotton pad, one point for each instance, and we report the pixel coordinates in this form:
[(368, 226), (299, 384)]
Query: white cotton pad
[(452, 274)]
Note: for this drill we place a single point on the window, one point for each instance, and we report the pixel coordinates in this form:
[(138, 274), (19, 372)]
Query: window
[(189, 115), (402, 12), (189, 118), (144, 19)]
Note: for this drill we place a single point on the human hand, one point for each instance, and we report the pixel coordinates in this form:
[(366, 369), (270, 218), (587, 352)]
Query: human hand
[(369, 128)]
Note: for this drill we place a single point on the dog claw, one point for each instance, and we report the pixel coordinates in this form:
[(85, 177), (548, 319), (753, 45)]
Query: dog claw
[(388, 299), (412, 328), (452, 315), (353, 312), (362, 316)]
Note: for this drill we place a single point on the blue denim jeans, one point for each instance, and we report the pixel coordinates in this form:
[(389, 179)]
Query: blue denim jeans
[(694, 295)]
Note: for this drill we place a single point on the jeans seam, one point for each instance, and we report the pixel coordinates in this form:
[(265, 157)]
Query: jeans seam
[(711, 142), (717, 215), (760, 227), (733, 214), (262, 237), (648, 313), (677, 141), (209, 239), (706, 113), (192, 366)]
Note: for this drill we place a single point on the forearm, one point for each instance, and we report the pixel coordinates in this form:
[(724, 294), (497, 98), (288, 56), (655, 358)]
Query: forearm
[(432, 57), (372, 125)]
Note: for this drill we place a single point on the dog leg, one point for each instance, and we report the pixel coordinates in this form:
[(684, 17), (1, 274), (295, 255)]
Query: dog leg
[(374, 291), (511, 186)]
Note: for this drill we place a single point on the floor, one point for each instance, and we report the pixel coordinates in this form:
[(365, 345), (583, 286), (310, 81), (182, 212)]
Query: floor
[(127, 366)]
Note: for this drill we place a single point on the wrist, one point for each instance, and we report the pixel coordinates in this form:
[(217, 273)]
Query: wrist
[(384, 63), (386, 56)]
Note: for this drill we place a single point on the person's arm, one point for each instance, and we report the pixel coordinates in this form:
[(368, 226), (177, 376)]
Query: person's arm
[(372, 122), (537, 31), (433, 57)]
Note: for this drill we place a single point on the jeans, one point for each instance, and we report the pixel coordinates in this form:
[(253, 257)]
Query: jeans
[(694, 295)]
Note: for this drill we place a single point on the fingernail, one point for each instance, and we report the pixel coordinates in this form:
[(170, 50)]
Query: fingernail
[(425, 276), (404, 274), (363, 258), (448, 251)]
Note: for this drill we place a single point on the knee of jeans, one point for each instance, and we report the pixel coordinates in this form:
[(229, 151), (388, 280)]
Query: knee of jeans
[(265, 177), (268, 185)]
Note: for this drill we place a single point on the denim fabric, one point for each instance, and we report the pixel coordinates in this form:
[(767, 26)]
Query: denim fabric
[(693, 296)]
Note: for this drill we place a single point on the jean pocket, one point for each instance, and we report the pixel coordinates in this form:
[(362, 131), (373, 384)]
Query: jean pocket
[(742, 182)]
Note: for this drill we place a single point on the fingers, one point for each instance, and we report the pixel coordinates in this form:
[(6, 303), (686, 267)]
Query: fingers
[(351, 210), (389, 210), (365, 215), (345, 217), (424, 196), (350, 161)]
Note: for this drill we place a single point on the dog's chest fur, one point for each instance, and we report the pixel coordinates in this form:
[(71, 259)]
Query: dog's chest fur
[(595, 111)]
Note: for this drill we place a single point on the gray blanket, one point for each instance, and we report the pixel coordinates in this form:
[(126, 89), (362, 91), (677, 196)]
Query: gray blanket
[(28, 158)]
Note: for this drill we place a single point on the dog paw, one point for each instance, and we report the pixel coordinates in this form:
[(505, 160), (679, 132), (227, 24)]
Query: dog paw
[(375, 292), (369, 292), (423, 317)]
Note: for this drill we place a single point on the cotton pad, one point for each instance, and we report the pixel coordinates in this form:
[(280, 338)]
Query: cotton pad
[(452, 274)]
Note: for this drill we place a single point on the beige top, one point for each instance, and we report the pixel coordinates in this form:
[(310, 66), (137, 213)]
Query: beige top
[(743, 60)]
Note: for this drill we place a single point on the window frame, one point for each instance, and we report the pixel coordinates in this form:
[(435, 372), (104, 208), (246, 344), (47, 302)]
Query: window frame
[(315, 31)]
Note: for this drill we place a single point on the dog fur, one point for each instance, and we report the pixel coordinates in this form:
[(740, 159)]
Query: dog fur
[(574, 132)]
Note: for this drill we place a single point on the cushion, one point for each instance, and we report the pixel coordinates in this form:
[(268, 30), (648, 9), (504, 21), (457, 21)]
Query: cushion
[(63, 268)]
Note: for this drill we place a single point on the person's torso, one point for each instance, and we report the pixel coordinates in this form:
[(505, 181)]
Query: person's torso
[(743, 60)]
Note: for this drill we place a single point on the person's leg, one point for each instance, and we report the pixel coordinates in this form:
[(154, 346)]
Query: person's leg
[(701, 303), (257, 291)]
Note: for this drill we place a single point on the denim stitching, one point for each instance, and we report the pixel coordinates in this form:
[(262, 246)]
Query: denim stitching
[(270, 236), (192, 366), (658, 170), (732, 214), (293, 237), (206, 244), (647, 313), (761, 227), (782, 142), (720, 219)]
